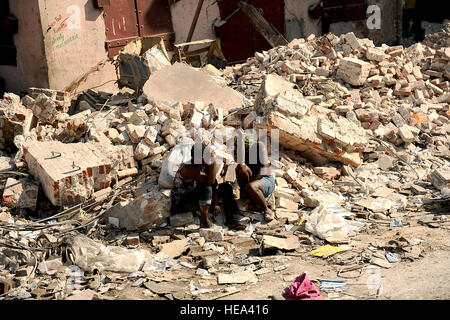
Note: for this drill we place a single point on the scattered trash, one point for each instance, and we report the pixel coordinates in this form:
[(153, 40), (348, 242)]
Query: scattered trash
[(332, 285), (339, 211), (289, 243), (323, 223), (396, 223), (302, 289), (326, 251), (139, 59), (87, 177), (381, 262), (280, 268), (89, 255), (391, 257)]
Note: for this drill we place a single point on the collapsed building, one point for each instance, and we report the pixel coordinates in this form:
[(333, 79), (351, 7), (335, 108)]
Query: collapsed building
[(363, 131)]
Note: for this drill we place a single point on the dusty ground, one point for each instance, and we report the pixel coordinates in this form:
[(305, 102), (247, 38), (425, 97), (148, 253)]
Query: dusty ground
[(425, 275), (425, 278)]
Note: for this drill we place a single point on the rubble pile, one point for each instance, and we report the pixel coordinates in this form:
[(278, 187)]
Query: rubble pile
[(439, 39), (377, 87), (363, 135), (15, 120)]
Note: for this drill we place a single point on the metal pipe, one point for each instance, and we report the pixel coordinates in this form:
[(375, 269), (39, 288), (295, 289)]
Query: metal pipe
[(194, 23)]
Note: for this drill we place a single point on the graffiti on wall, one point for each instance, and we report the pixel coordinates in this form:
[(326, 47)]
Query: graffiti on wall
[(60, 41), (74, 21), (73, 43), (71, 22), (63, 27)]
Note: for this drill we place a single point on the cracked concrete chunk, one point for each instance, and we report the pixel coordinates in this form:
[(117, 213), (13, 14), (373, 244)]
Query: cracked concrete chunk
[(182, 83), (149, 209)]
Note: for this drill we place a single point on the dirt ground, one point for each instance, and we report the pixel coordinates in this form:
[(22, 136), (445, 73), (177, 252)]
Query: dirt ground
[(425, 278), (424, 273)]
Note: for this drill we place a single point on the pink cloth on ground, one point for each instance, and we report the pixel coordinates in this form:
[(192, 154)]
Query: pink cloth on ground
[(302, 289)]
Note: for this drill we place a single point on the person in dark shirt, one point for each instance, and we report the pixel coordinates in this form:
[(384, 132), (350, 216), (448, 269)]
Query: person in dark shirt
[(193, 187)]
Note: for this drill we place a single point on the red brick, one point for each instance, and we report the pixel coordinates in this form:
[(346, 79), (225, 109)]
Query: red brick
[(20, 194), (75, 185)]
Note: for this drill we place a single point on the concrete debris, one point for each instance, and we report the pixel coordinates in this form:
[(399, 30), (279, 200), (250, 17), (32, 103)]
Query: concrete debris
[(15, 119), (71, 173), (50, 267), (321, 197), (383, 192), (381, 205), (47, 104), (386, 162), (353, 71), (182, 83), (363, 142), (146, 211), (237, 278), (181, 219), (133, 241), (87, 295), (211, 234), (304, 128), (289, 243), (21, 193), (175, 249), (440, 178)]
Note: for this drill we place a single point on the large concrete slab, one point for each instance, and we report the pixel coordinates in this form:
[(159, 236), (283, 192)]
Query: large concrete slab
[(307, 128), (71, 173), (182, 83)]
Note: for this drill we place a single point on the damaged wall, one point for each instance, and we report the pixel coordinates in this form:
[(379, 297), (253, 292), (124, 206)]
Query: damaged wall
[(74, 37), (389, 22), (298, 23), (59, 41), (182, 15), (388, 28), (31, 69)]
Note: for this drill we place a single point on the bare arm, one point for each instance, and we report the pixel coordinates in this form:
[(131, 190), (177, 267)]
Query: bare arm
[(263, 172), (264, 162), (196, 174)]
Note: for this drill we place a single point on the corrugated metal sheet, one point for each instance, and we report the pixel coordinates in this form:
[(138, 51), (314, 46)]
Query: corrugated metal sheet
[(121, 25)]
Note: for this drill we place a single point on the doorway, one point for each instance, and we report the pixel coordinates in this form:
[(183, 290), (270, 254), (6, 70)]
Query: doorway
[(239, 39), (125, 20)]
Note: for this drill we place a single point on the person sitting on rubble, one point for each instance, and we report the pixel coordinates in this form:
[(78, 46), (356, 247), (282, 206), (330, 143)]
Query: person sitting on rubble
[(225, 194), (255, 178), (195, 188), (193, 185)]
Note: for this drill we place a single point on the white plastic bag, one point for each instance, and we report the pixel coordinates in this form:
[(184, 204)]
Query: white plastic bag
[(89, 255), (326, 225), (180, 154)]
